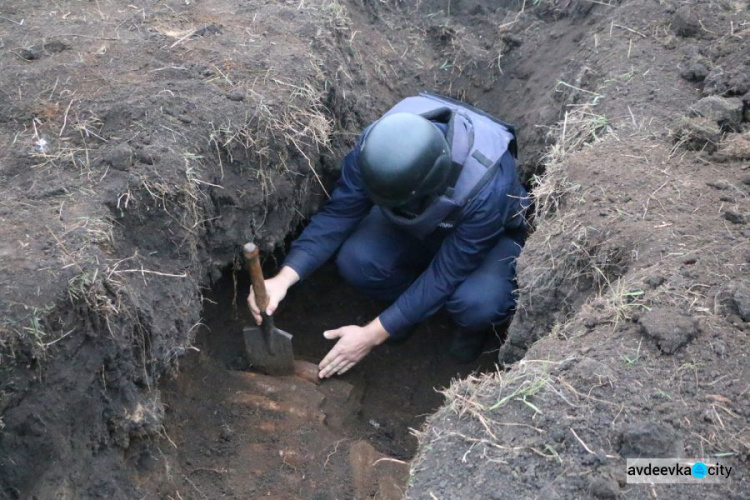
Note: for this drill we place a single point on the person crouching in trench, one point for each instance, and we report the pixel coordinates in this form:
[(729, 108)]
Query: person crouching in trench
[(428, 213)]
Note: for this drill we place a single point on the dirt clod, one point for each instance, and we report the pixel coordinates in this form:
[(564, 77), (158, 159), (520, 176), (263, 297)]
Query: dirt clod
[(236, 96), (698, 133), (148, 155), (604, 487), (685, 22), (668, 328), (733, 299), (655, 280), (735, 217), (120, 157), (736, 147), (56, 46), (732, 82), (696, 70), (720, 185), (742, 299), (726, 112), (689, 260), (30, 53), (649, 439), (211, 29)]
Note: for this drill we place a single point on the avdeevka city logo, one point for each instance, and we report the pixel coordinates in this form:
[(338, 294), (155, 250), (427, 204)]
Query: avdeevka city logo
[(699, 470), (676, 470)]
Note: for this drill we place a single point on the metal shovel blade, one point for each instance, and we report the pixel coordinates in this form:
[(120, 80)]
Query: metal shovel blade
[(269, 352)]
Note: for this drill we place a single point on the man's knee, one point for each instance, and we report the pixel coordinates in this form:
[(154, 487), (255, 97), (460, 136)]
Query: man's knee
[(360, 268), (479, 309), (350, 261)]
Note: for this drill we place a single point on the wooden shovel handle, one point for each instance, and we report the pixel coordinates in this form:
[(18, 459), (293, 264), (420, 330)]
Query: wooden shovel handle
[(252, 256)]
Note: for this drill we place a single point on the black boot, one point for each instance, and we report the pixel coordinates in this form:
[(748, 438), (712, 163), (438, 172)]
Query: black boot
[(466, 345)]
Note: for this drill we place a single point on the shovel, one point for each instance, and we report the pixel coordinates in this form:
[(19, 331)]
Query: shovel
[(268, 348)]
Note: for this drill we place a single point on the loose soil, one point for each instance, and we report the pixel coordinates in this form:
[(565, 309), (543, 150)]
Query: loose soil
[(141, 144)]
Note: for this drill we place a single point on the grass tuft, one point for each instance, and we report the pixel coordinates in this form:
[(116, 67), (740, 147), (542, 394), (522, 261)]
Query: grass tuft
[(271, 130), (579, 127)]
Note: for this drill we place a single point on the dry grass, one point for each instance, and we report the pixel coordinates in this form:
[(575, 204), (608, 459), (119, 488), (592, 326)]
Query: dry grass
[(336, 15), (623, 300), (504, 407), (271, 129), (71, 144), (28, 330), (93, 289), (579, 127), (97, 291), (463, 53)]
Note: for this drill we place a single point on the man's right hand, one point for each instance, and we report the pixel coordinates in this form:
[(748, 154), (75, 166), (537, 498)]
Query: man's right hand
[(276, 289)]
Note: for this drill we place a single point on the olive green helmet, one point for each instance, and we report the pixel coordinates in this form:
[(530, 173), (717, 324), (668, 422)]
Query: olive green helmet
[(404, 157)]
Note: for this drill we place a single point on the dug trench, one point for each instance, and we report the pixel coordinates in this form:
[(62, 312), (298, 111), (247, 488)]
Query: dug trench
[(144, 144), (345, 438), (231, 431), (126, 193)]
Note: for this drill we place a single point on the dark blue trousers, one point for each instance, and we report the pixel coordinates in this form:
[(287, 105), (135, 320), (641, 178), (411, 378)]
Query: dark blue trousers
[(382, 260)]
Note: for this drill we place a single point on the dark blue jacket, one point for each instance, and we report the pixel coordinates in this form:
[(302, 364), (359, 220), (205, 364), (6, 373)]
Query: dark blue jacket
[(479, 225)]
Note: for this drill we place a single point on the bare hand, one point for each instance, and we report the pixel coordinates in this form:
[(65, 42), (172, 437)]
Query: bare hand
[(276, 289), (355, 342)]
